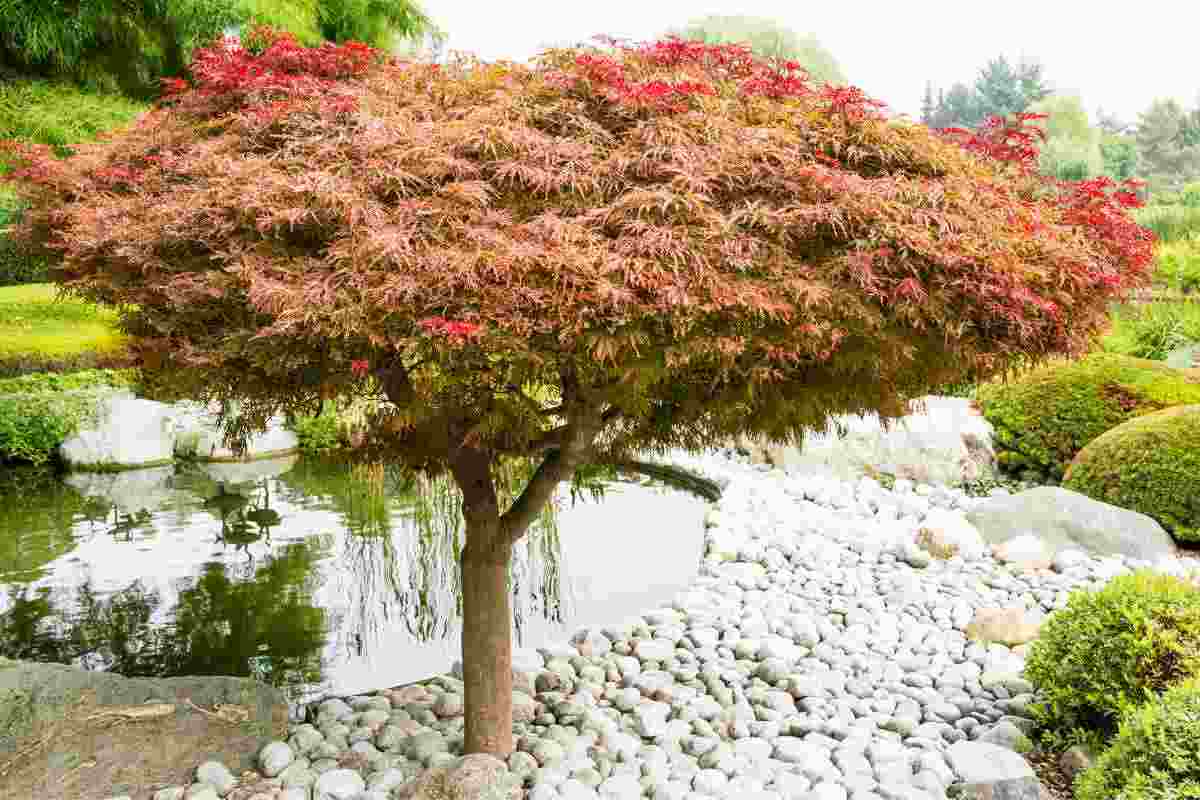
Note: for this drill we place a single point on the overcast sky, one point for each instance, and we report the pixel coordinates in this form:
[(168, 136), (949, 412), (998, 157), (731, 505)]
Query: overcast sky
[(1119, 60)]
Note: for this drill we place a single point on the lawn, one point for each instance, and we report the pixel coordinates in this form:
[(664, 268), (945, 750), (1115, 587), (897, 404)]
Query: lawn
[(41, 331)]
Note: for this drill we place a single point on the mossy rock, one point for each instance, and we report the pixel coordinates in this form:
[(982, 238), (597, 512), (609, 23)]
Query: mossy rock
[(1044, 417), (1150, 464)]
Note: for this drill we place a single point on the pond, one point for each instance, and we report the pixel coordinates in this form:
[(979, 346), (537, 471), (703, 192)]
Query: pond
[(311, 575)]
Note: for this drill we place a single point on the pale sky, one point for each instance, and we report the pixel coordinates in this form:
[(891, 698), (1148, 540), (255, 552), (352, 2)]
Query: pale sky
[(1119, 59)]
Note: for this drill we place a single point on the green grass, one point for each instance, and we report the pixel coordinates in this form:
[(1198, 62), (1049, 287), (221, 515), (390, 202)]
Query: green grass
[(39, 331), (1177, 264), (60, 114), (1151, 330)]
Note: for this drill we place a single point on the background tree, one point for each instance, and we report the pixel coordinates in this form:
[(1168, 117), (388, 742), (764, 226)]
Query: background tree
[(1165, 159), (1072, 147), (127, 45), (1113, 125), (767, 39), (928, 105), (599, 255), (999, 90)]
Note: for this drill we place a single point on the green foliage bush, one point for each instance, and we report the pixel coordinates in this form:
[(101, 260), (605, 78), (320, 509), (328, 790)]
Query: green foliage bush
[(1048, 414), (60, 114), (1150, 464), (1155, 754), (1110, 649), (320, 433), (1171, 223), (16, 264), (32, 426), (1177, 264), (1153, 330)]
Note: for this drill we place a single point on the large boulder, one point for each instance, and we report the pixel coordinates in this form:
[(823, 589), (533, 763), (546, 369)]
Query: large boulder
[(944, 440), (1067, 520), (1150, 464), (125, 433), (140, 732), (199, 435)]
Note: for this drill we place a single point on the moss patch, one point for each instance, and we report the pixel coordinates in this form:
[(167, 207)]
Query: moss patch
[(1150, 464), (1046, 416)]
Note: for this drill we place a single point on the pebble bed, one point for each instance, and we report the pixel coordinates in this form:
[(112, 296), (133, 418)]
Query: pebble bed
[(819, 654)]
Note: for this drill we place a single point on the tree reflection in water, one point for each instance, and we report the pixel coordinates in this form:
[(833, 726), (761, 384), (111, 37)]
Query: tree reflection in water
[(265, 627)]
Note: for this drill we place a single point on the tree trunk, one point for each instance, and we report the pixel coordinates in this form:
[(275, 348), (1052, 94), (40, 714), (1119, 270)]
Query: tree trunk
[(487, 614), (487, 645)]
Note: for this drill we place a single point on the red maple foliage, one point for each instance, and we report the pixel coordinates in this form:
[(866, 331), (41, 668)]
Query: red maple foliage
[(676, 241)]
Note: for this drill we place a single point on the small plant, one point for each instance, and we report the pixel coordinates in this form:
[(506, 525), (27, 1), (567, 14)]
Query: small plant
[(926, 540), (1114, 648), (1158, 329), (1155, 754), (320, 433), (32, 426)]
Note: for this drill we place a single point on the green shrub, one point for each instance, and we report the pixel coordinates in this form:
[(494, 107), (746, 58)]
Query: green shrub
[(32, 426), (1153, 330), (1155, 754), (41, 383), (1177, 264), (1171, 223), (61, 114), (1150, 464), (1048, 414), (17, 265), (320, 433), (1110, 649)]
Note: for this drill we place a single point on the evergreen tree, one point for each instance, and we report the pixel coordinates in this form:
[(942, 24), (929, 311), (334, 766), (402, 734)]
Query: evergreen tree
[(1165, 158)]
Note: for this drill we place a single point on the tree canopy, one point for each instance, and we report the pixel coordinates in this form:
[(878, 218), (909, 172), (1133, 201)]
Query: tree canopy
[(1167, 158), (128, 46), (600, 254), (767, 39), (999, 90)]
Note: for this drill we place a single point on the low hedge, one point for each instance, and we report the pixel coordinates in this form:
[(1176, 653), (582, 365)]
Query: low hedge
[(1112, 649), (1045, 416), (38, 412), (1149, 464), (1155, 755)]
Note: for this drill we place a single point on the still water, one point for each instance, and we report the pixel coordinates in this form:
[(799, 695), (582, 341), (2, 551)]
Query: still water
[(313, 576)]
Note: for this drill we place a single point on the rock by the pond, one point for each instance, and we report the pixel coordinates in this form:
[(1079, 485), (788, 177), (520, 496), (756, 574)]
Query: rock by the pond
[(199, 434), (991, 772), (1008, 626), (471, 777), (1070, 520), (945, 441), (126, 433), (36, 696)]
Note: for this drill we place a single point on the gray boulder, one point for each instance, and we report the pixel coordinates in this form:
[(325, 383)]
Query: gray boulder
[(1069, 520), (990, 772), (122, 433), (943, 440)]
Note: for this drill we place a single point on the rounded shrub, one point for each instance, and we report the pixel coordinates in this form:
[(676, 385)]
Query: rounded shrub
[(1155, 754), (1150, 464), (1110, 649), (1047, 415)]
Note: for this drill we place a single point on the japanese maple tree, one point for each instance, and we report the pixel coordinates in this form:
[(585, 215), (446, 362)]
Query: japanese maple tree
[(676, 242)]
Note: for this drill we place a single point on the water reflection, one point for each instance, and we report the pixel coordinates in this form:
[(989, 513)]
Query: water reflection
[(312, 575)]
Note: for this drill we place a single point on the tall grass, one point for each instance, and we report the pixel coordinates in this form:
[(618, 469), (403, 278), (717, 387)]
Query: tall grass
[(60, 114)]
